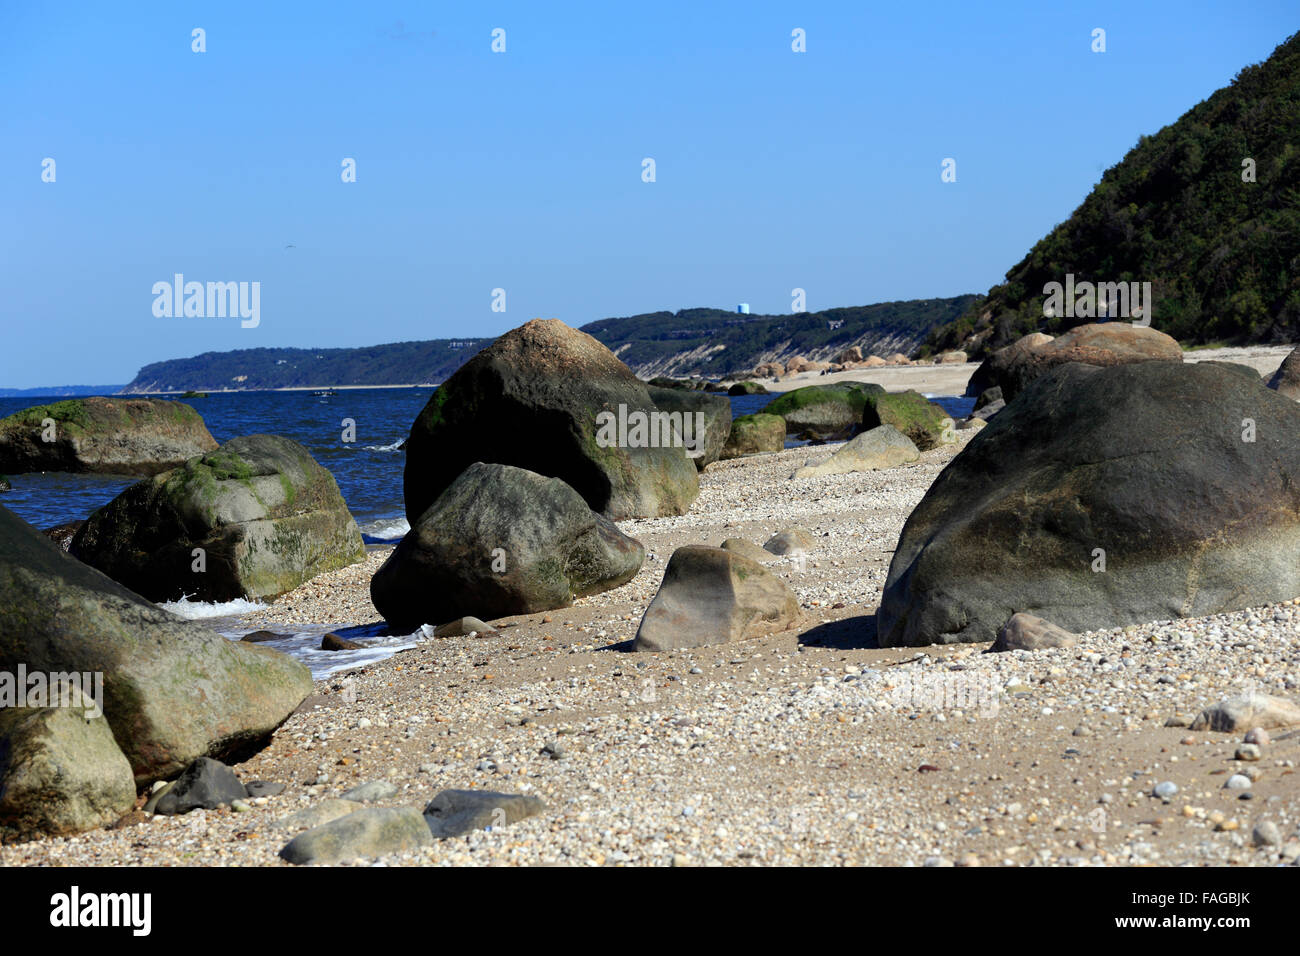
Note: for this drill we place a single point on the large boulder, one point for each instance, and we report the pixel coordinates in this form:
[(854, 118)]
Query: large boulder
[(747, 388), (924, 422), (753, 435), (827, 411), (1103, 497), (714, 596), (541, 398), (266, 516), (882, 447), (500, 541), (696, 409), (120, 436), (173, 690), (990, 372), (1286, 380), (1101, 343), (60, 771), (851, 354)]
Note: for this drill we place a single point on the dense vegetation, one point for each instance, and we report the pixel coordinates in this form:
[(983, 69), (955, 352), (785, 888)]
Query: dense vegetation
[(1223, 255), (716, 343)]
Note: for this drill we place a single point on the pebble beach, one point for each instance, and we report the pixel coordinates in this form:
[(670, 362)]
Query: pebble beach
[(808, 746)]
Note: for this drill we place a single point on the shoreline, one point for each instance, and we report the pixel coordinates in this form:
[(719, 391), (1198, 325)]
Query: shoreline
[(802, 747)]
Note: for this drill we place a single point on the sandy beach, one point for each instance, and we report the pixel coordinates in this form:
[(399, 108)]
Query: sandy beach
[(810, 746)]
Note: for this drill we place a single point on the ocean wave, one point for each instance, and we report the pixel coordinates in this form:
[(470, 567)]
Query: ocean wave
[(395, 446), (199, 610), (386, 529)]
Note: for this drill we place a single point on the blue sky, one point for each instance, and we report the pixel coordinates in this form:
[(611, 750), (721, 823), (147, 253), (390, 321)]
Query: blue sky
[(522, 170)]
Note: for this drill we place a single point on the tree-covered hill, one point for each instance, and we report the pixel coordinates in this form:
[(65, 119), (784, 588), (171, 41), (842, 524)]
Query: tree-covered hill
[(716, 343), (399, 363), (705, 341), (1222, 254)]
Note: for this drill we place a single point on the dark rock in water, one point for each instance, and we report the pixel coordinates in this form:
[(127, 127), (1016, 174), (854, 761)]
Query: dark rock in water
[(204, 785), (501, 541), (332, 642), (989, 410), (259, 637), (4, 484), (541, 397), (702, 445), (363, 834), (265, 516), (924, 422), (1025, 632), (173, 690), (754, 435), (988, 397), (118, 436), (1102, 497), (62, 534), (454, 813), (747, 388), (829, 411), (263, 788), (1286, 380), (714, 596), (60, 772), (1102, 344)]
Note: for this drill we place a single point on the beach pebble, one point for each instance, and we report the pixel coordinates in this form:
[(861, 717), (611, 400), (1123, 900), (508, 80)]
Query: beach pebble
[(1166, 789), (371, 791), (1266, 833), (1238, 782), (1247, 752)]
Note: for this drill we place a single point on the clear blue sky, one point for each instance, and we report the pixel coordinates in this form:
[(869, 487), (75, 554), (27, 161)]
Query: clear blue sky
[(522, 170)]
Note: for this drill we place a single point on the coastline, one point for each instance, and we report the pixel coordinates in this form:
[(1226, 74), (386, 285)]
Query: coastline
[(810, 746)]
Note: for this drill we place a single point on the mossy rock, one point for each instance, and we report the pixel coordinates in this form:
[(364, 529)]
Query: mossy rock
[(829, 411), (173, 690), (265, 515), (747, 388), (924, 422), (753, 435), (121, 436)]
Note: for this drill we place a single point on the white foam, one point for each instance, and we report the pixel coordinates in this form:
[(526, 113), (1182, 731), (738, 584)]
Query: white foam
[(199, 610), (395, 446), (389, 529)]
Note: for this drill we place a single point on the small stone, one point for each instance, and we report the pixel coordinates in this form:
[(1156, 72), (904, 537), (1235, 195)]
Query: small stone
[(264, 788), (454, 813), (370, 792), (1166, 789), (332, 642), (1266, 833), (1248, 752), (1238, 782), (1258, 736)]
